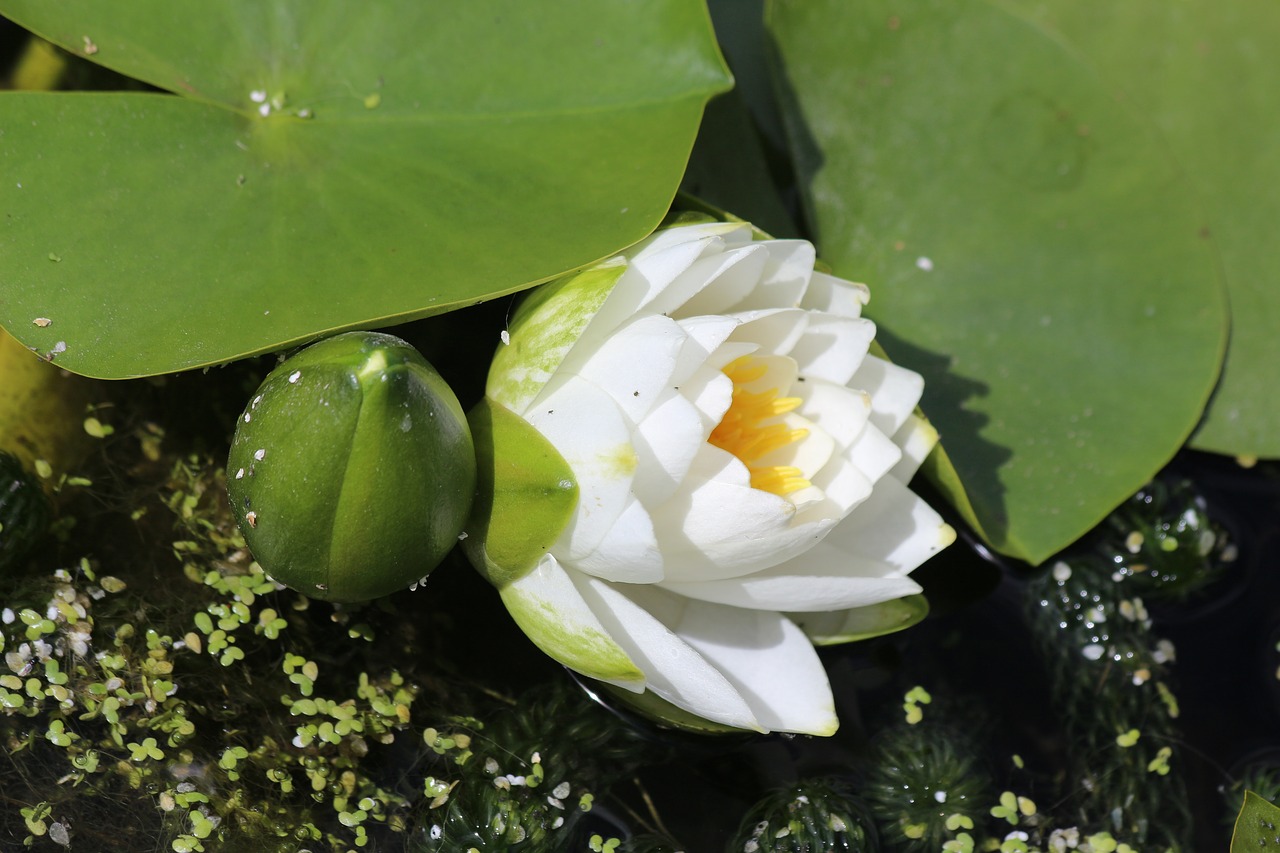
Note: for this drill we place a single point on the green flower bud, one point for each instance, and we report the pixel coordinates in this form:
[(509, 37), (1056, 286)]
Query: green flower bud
[(352, 470)]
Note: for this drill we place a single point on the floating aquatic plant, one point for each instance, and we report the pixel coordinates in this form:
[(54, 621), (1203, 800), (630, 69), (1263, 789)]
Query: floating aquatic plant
[(169, 676)]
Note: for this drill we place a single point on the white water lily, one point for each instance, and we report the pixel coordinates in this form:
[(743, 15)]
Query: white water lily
[(741, 462)]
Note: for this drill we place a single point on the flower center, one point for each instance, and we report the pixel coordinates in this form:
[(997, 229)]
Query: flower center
[(752, 428)]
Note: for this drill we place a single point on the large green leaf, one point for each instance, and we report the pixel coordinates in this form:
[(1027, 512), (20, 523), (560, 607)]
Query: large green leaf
[(1031, 248), (1206, 73), (413, 157), (1257, 825)]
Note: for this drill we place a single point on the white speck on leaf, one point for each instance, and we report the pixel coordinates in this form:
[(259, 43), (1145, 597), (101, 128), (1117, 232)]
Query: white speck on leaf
[(295, 376), (924, 263), (506, 337), (260, 453), (252, 518), (42, 322)]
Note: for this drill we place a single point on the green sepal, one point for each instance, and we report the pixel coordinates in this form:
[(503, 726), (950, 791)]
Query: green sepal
[(582, 645), (543, 330), (862, 623), (653, 707), (352, 469), (525, 494)]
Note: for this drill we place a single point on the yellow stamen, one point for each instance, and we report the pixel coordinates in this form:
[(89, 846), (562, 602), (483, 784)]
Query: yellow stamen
[(750, 429)]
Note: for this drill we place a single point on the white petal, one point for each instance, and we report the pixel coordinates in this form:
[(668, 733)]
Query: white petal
[(594, 437), (715, 256), (769, 660), (635, 365), (666, 443), (822, 578), (672, 668), (894, 391), (839, 411), (806, 500), (832, 347), (733, 233), (917, 438), (704, 335), (717, 526), (777, 378), (874, 453), (784, 278), (728, 352), (894, 527), (628, 552), (714, 284), (843, 487), (777, 330), (833, 295), (710, 392), (648, 273), (809, 454), (552, 613)]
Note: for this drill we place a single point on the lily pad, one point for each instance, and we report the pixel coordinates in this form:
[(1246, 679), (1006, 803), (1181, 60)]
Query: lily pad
[(1031, 249), (1205, 72), (319, 167), (1257, 825)]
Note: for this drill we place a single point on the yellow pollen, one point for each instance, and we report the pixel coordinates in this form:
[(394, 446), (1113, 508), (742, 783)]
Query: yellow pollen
[(750, 429)]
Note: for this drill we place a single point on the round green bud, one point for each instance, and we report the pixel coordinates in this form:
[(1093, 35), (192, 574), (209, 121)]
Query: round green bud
[(352, 469)]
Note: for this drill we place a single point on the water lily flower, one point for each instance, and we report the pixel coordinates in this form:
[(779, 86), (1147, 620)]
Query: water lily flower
[(719, 475)]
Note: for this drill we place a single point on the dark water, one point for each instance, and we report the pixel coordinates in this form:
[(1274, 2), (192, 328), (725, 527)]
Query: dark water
[(978, 657)]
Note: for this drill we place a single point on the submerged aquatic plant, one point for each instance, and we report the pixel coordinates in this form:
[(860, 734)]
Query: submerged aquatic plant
[(1111, 673), (167, 675), (811, 815), (925, 785)]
